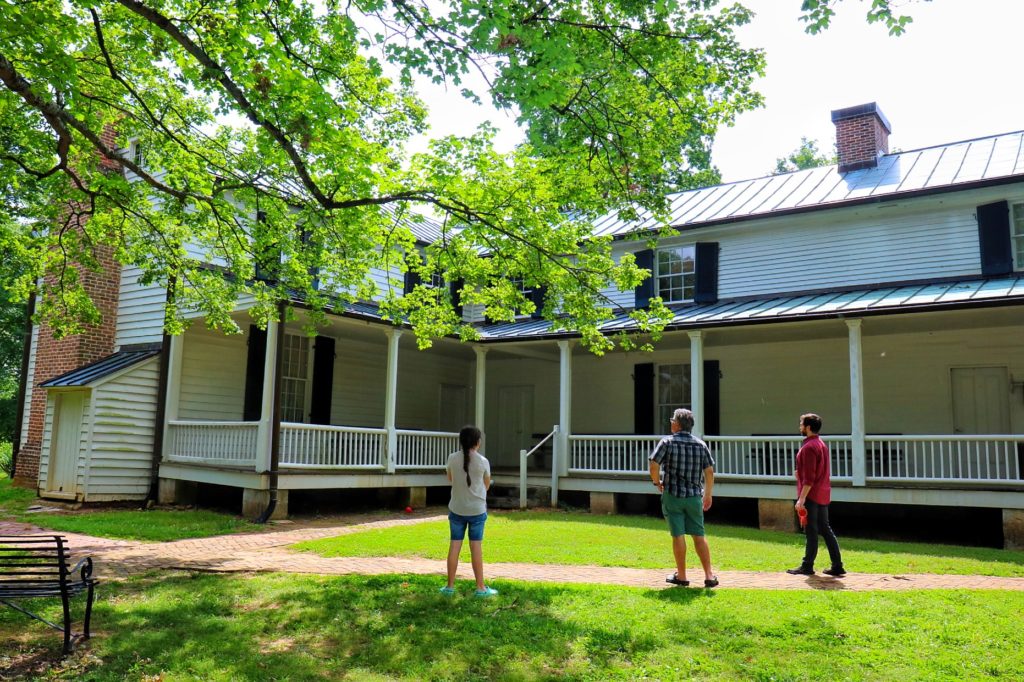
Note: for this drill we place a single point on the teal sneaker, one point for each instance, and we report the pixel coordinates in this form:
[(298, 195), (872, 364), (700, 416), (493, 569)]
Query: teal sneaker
[(486, 592), (447, 591)]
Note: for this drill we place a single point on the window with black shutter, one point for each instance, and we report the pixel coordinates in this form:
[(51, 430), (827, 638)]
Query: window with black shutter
[(705, 288), (994, 239), (645, 290)]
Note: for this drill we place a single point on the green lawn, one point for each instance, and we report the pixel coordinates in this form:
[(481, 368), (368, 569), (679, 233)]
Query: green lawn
[(292, 627), (643, 542), (154, 525)]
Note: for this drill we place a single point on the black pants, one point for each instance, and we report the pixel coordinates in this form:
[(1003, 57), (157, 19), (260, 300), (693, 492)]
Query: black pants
[(817, 523)]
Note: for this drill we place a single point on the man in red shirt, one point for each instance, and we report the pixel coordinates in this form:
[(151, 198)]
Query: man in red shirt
[(814, 493)]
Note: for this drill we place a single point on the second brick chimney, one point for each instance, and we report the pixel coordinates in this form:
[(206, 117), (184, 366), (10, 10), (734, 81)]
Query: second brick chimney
[(862, 133)]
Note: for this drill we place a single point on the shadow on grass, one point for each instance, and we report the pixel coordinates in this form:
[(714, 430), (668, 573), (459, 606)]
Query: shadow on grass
[(775, 537), (302, 627)]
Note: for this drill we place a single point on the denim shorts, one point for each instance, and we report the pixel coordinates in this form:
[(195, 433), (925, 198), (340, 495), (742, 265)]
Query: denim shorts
[(458, 524)]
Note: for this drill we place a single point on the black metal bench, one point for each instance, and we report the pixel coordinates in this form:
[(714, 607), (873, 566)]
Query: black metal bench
[(33, 566)]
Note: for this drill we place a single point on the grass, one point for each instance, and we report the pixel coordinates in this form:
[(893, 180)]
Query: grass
[(153, 525), (291, 627), (643, 542)]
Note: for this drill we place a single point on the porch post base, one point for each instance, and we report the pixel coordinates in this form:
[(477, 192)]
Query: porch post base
[(415, 497), (173, 491), (254, 503), (603, 503), (776, 515), (1013, 529)]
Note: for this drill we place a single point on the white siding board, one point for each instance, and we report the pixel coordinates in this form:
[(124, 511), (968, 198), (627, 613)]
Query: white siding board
[(140, 309), (29, 385), (123, 429), (213, 375), (360, 372)]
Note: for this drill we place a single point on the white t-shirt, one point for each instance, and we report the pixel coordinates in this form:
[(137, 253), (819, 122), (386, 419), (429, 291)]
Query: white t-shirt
[(468, 499)]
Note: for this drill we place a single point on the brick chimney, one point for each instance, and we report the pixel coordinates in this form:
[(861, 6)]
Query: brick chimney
[(57, 356), (862, 133)]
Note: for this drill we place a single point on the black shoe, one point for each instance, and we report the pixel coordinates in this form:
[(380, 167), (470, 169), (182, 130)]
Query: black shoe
[(835, 572), (800, 570)]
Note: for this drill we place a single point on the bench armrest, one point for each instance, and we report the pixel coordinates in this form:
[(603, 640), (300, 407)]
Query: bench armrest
[(84, 567)]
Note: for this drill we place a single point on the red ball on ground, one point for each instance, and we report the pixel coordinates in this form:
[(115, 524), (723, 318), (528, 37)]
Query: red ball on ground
[(408, 510)]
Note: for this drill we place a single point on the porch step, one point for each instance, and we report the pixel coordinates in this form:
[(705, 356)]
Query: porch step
[(507, 496)]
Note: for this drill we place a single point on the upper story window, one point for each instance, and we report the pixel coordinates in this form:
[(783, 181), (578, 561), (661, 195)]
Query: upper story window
[(1017, 235), (137, 157), (676, 273)]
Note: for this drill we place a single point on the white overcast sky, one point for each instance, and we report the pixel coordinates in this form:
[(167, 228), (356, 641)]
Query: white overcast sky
[(954, 75)]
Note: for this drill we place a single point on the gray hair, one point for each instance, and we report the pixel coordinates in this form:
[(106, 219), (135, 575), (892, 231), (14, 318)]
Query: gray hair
[(684, 418)]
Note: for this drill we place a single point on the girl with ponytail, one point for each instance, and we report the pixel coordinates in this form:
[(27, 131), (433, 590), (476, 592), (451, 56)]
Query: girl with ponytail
[(470, 475)]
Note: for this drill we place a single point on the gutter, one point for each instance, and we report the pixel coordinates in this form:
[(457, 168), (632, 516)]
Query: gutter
[(161, 404), (26, 350)]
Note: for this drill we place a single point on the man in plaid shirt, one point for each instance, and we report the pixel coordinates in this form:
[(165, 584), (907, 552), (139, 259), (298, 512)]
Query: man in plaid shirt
[(685, 488)]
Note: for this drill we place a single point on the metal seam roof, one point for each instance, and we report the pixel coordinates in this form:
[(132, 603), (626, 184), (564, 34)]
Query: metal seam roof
[(93, 372), (955, 165), (871, 300)]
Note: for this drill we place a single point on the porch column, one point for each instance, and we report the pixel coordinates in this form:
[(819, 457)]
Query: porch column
[(564, 411), (697, 381), (481, 386), (857, 403), (172, 403), (391, 396), (265, 434)]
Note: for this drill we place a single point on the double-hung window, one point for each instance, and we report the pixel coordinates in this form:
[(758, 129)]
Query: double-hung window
[(1017, 235), (295, 380), (673, 392), (676, 273)]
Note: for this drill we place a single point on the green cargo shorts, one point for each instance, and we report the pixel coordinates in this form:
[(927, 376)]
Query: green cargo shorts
[(685, 514)]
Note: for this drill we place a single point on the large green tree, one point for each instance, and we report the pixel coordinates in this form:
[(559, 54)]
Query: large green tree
[(807, 155), (302, 113)]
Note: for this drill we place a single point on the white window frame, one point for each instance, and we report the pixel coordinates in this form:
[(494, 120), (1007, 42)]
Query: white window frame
[(137, 152), (306, 381), (663, 275), (1017, 234), (665, 405)]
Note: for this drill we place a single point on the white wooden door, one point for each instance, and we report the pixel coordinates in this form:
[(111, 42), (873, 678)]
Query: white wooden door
[(65, 442), (981, 400), (453, 408), (515, 422)]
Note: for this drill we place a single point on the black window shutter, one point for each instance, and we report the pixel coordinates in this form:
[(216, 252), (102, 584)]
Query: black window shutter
[(994, 239), (643, 398), (644, 292), (454, 290), (706, 284), (254, 374), (536, 296), (268, 260), (323, 380), (712, 399), (411, 280)]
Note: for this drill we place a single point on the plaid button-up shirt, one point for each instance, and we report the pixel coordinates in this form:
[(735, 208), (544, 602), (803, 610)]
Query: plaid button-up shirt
[(683, 458)]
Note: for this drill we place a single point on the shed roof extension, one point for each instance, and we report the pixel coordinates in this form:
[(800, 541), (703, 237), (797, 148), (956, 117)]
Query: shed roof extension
[(101, 369), (883, 299), (950, 167)]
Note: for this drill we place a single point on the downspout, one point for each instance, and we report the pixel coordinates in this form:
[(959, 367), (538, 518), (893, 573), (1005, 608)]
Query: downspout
[(26, 350), (161, 402), (275, 432)]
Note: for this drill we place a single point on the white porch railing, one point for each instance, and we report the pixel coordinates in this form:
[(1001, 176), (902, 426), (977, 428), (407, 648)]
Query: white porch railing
[(773, 457), (425, 449), (610, 454), (331, 447), (975, 460), (230, 443)]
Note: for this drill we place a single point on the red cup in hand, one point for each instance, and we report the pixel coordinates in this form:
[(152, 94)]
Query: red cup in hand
[(802, 513)]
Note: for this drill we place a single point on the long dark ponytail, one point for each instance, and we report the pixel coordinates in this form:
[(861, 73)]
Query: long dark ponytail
[(469, 438)]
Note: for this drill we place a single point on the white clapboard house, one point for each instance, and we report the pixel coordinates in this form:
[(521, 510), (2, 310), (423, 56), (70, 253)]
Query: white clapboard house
[(885, 293)]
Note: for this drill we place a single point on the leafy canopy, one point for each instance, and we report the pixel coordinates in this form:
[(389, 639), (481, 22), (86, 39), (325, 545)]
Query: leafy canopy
[(807, 155), (818, 15), (302, 113)]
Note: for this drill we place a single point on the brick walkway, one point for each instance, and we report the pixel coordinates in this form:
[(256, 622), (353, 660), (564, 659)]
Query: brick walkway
[(267, 551)]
